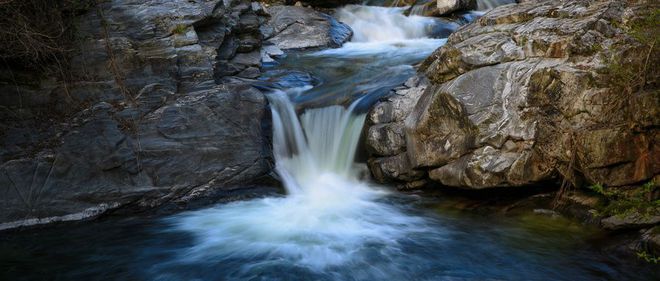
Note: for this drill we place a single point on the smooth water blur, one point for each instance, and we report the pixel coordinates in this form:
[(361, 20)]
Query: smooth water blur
[(385, 46), (323, 140), (380, 24), (331, 225), (330, 219), (430, 243), (338, 223)]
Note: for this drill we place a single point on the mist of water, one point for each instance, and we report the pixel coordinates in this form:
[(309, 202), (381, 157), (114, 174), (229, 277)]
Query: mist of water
[(322, 141), (329, 217)]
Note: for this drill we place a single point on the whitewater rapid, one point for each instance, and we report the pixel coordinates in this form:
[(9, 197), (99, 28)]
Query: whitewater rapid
[(330, 225), (329, 216)]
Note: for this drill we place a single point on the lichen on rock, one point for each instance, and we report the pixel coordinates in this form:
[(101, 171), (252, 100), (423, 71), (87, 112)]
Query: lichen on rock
[(534, 92)]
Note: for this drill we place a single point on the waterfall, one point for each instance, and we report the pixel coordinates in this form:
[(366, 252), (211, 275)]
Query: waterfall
[(380, 24), (424, 6), (321, 141), (329, 217)]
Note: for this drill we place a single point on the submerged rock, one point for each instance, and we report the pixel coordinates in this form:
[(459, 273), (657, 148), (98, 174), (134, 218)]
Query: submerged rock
[(528, 93)]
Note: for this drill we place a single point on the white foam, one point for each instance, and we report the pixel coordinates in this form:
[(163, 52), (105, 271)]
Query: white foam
[(328, 217), (380, 24)]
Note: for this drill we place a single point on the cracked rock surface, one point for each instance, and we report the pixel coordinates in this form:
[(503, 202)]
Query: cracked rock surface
[(526, 94), (152, 114)]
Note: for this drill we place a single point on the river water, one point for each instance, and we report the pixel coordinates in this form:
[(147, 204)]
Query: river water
[(331, 224)]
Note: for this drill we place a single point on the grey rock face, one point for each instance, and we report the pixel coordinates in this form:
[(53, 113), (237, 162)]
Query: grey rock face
[(394, 168), (302, 28), (522, 96), (386, 134), (145, 121), (630, 221)]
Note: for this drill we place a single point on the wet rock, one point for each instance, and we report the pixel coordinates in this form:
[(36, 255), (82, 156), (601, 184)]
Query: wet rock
[(386, 133), (398, 167), (303, 28), (486, 167), (248, 43), (630, 221), (522, 96), (225, 68), (143, 122), (270, 53), (228, 48), (437, 130), (273, 51), (287, 79), (209, 136), (651, 240), (247, 59), (250, 72), (386, 139)]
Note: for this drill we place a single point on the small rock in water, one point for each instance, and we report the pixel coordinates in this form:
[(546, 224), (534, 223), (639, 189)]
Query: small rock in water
[(250, 72), (273, 51), (546, 212)]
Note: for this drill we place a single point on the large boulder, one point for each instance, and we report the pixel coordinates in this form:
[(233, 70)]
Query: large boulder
[(293, 27), (147, 115), (531, 92), (386, 134)]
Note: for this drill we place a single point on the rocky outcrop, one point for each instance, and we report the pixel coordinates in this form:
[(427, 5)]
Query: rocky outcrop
[(386, 136), (156, 108), (530, 93), (292, 27), (147, 117), (631, 221)]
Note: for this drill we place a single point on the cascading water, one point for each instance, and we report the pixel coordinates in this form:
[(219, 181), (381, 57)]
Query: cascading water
[(329, 217), (330, 225), (322, 141), (385, 45), (380, 24)]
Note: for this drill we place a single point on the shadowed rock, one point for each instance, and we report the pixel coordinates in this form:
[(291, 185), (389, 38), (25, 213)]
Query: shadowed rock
[(144, 121)]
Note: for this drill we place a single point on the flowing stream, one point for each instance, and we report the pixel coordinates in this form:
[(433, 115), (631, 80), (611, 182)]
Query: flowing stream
[(329, 218), (331, 224)]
